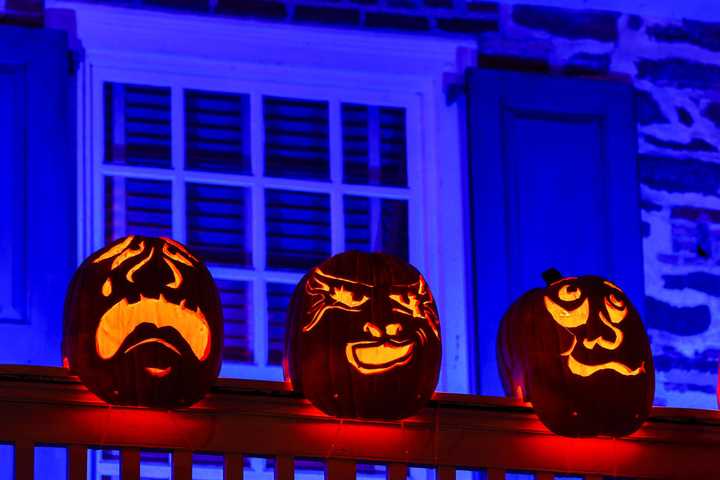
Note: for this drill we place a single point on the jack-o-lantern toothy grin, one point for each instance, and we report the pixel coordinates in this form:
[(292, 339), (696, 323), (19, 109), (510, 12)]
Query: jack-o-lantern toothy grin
[(364, 337), (144, 323)]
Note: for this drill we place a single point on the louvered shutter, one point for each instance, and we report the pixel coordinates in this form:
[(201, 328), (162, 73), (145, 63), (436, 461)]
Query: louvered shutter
[(376, 225), (278, 300), (236, 300), (297, 229), (297, 141), (137, 125), (374, 145), (219, 224), (217, 132), (137, 206)]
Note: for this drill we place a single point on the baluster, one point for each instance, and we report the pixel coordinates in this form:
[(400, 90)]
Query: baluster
[(340, 469), (234, 466), (495, 474), (24, 461), (397, 471), (77, 462), (445, 473), (593, 477), (284, 468), (544, 476), (182, 465), (130, 464)]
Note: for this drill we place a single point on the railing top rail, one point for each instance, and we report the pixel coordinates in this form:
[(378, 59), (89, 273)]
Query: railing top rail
[(44, 405)]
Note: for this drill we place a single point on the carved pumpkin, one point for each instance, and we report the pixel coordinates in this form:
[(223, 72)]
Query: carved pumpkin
[(578, 351), (143, 324), (364, 337)]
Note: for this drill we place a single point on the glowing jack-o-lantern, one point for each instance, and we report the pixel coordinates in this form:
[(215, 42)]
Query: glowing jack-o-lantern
[(578, 351), (364, 337), (143, 324)]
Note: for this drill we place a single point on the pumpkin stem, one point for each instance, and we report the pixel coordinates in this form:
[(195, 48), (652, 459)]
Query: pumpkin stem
[(551, 275)]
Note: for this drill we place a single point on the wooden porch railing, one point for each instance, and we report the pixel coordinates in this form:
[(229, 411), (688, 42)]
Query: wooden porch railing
[(45, 406)]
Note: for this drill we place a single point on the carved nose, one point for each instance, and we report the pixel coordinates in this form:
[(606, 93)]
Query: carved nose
[(393, 329), (602, 333)]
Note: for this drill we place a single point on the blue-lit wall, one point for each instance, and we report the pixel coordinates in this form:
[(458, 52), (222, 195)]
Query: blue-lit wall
[(675, 66)]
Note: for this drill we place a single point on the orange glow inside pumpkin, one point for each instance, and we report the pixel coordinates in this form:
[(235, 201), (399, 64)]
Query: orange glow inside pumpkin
[(327, 298), (615, 312), (328, 292), (123, 317), (373, 357)]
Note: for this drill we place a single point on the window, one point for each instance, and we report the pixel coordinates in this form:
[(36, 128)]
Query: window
[(262, 186), (267, 148)]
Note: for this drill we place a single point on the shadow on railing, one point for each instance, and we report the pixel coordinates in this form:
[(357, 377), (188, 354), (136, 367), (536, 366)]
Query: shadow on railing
[(240, 419)]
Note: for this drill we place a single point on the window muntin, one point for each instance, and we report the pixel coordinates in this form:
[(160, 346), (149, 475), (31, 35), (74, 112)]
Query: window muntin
[(262, 185)]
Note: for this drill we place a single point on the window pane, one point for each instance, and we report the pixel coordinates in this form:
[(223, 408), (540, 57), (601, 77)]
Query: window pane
[(208, 466), (137, 125), (218, 223), (137, 206), (278, 299), (50, 462), (155, 465), (236, 299), (298, 229), (376, 225), (7, 458), (374, 145), (296, 138), (371, 471), (217, 132)]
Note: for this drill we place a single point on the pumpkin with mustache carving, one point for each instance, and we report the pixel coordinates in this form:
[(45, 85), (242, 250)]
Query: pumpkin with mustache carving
[(143, 324), (364, 337), (578, 351)]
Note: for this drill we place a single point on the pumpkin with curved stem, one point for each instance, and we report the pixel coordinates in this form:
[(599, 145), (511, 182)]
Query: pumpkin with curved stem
[(578, 351), (364, 337), (143, 324)]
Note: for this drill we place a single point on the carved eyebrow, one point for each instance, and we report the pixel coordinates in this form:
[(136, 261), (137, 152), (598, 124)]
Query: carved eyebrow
[(180, 247), (178, 257), (564, 279), (127, 254), (612, 285), (412, 305), (333, 277), (140, 264), (116, 250)]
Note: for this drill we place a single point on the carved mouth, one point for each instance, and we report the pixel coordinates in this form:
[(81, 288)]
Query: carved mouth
[(373, 356), (153, 340), (585, 370), (158, 372), (123, 317)]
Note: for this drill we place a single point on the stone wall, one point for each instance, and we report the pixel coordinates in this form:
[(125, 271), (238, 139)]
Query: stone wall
[(675, 66)]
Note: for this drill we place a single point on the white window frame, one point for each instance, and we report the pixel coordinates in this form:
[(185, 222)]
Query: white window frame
[(218, 53)]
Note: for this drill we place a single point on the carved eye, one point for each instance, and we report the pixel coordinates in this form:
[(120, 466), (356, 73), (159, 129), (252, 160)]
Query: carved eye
[(616, 308), (568, 318), (615, 302), (410, 307), (569, 293), (340, 295)]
